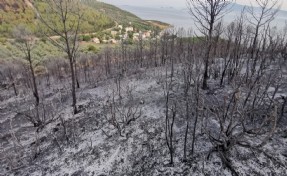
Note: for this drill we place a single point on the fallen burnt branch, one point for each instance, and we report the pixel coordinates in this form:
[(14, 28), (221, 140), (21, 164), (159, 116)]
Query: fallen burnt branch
[(260, 150)]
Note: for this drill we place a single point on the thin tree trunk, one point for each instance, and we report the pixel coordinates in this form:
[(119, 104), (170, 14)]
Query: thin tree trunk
[(195, 122), (73, 87), (35, 91), (187, 82)]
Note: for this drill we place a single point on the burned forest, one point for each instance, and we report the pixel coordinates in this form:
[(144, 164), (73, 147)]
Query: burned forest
[(211, 100)]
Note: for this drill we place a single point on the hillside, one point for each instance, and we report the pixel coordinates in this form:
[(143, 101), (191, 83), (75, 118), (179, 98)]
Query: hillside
[(98, 16), (13, 12), (89, 144), (171, 104), (122, 16)]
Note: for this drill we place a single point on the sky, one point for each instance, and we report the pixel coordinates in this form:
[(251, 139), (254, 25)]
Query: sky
[(176, 3)]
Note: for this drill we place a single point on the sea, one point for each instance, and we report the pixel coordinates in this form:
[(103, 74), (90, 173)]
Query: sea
[(181, 18)]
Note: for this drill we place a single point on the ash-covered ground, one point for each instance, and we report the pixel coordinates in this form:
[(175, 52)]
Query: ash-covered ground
[(120, 130)]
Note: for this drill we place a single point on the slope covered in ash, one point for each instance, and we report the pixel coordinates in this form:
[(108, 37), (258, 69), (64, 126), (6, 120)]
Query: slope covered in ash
[(121, 131)]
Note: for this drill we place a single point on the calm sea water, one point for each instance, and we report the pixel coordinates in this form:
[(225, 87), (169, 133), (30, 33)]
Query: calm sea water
[(175, 17), (181, 17)]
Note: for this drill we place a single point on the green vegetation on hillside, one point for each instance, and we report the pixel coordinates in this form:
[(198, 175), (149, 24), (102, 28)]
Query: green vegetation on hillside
[(120, 16), (92, 20), (98, 22), (98, 16), (15, 12), (42, 49)]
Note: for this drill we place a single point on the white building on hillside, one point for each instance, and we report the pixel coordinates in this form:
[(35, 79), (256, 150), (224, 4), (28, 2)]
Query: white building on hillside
[(96, 40), (131, 29), (113, 33)]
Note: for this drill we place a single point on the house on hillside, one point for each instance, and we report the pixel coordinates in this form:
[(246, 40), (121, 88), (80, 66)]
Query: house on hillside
[(113, 41), (147, 34), (103, 10), (136, 36), (96, 40), (113, 33), (125, 36), (131, 29)]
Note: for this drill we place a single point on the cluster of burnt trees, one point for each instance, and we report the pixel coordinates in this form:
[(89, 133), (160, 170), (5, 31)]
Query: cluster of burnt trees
[(245, 59), (247, 55)]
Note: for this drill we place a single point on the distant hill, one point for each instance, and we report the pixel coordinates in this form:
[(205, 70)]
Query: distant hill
[(121, 16)]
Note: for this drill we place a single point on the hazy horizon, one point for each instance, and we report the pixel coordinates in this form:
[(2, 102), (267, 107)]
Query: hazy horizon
[(176, 4), (176, 13)]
